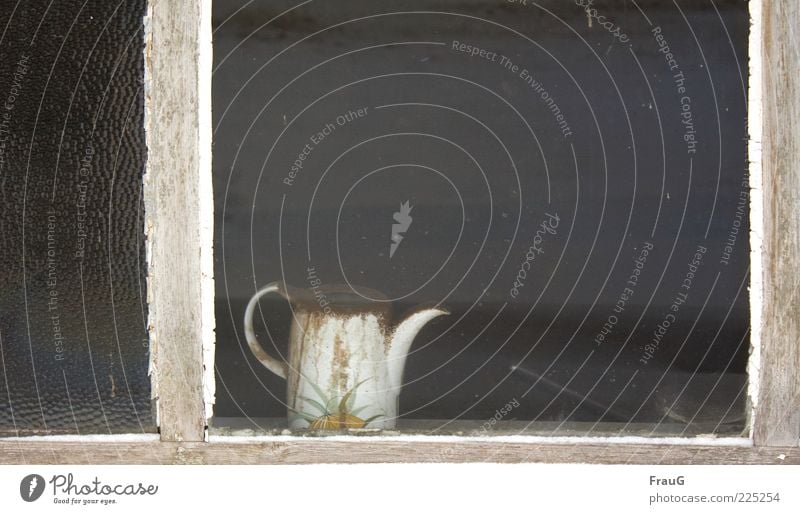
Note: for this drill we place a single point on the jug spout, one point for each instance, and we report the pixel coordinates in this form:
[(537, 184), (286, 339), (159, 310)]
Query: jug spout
[(403, 336)]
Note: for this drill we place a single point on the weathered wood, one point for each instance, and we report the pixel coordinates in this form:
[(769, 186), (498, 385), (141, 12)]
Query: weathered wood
[(777, 411), (361, 451), (172, 207), (259, 427)]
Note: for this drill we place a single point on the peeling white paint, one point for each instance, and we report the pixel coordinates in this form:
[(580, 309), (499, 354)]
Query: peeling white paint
[(149, 119), (509, 439), (93, 438), (206, 191), (205, 211), (755, 117)]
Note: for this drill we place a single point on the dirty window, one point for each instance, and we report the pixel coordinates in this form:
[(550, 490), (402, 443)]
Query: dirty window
[(73, 309), (481, 217)]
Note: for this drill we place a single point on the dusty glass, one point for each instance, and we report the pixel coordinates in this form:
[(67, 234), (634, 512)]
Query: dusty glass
[(73, 308), (567, 179)]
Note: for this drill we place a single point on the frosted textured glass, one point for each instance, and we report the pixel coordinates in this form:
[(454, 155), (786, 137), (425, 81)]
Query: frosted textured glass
[(73, 308)]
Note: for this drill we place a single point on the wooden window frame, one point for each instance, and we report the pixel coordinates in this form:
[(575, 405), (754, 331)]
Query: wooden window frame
[(180, 285)]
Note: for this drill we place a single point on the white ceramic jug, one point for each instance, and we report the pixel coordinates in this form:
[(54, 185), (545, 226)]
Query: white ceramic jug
[(346, 358)]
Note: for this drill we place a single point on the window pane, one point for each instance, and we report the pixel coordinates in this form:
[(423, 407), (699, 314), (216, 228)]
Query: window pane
[(567, 180), (73, 302)]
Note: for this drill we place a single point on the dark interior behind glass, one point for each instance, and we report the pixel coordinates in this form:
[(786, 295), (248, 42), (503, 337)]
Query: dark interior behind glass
[(576, 173), (73, 299)]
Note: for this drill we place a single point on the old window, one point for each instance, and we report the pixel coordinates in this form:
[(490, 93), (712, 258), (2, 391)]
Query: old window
[(558, 194), (568, 180), (73, 306)]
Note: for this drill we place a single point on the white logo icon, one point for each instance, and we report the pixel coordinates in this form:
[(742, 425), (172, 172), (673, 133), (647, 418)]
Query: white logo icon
[(403, 219), (31, 487)]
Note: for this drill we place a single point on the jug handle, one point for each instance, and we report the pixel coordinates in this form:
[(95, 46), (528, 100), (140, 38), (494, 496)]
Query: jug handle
[(271, 363)]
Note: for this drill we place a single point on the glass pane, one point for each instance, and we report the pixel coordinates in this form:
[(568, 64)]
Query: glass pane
[(566, 179), (73, 310)]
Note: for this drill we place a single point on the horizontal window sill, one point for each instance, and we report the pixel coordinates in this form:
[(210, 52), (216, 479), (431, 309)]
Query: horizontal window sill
[(333, 450)]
